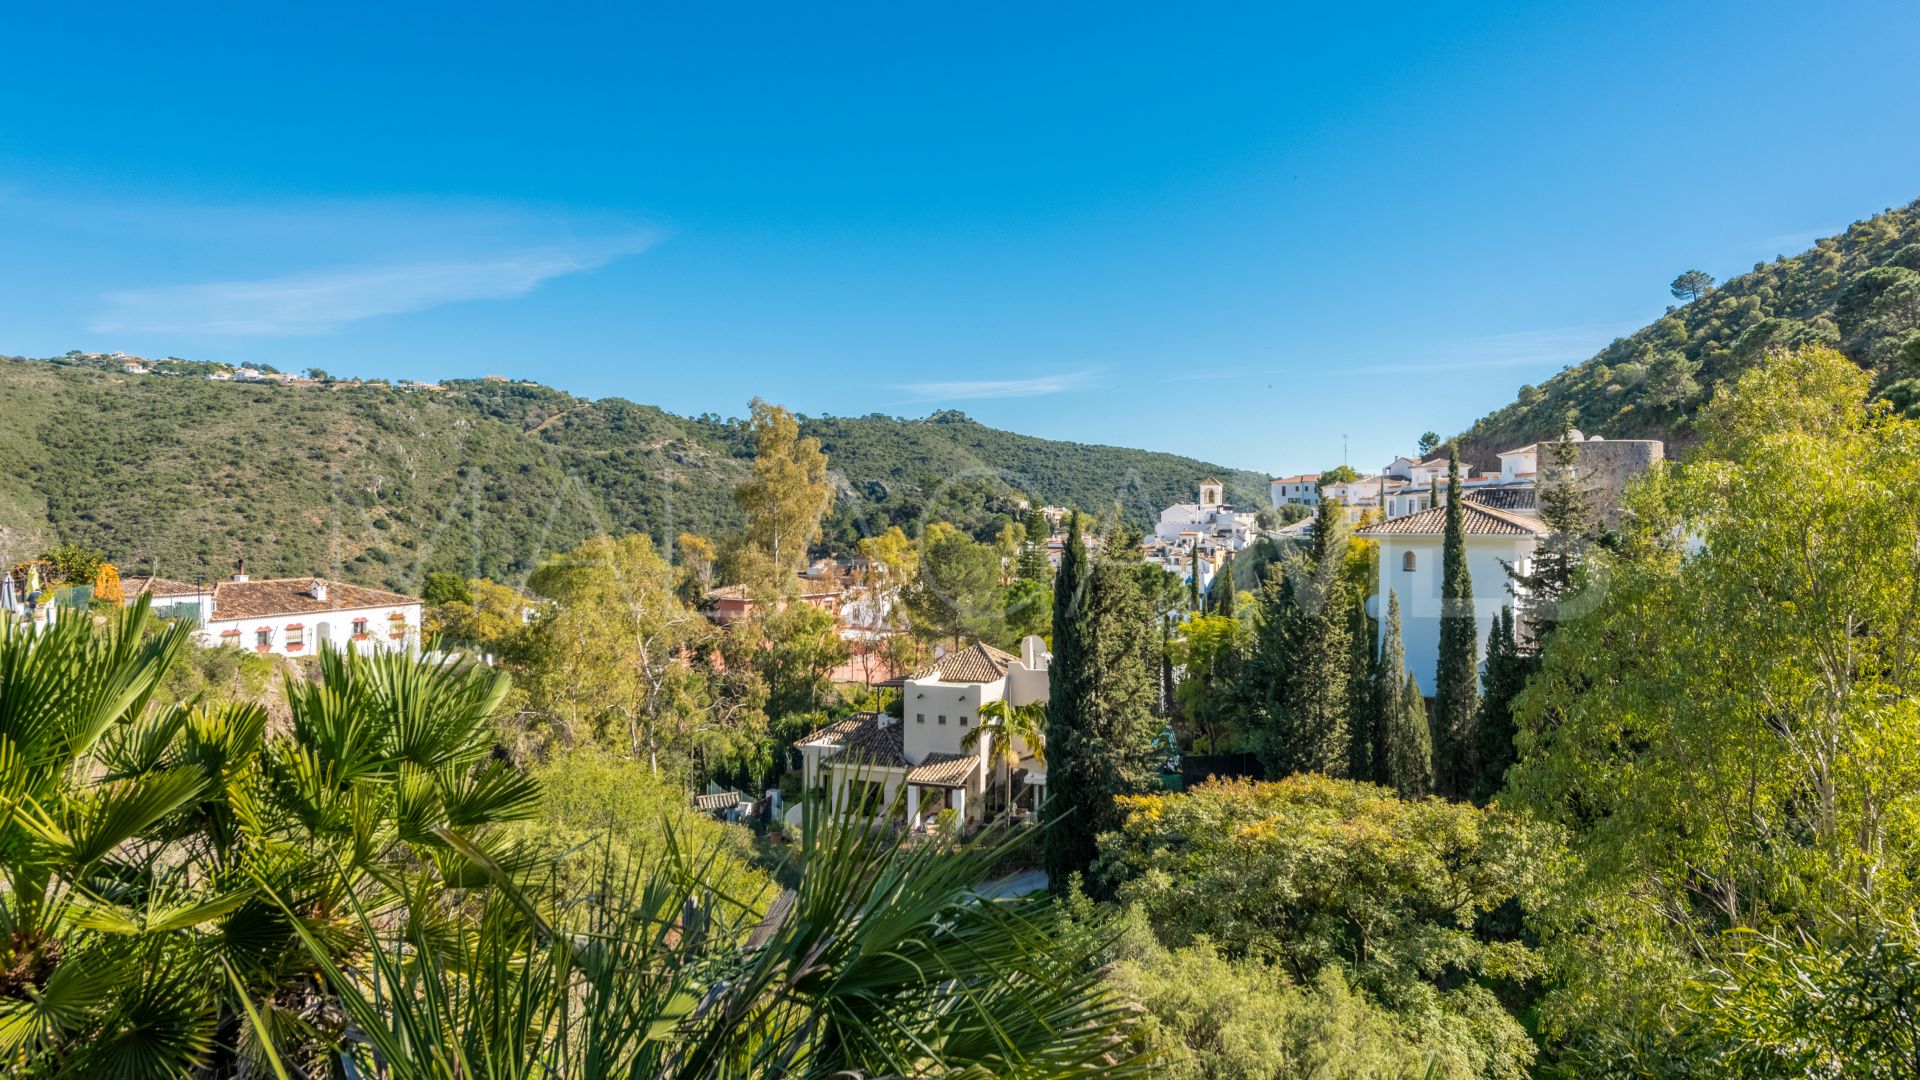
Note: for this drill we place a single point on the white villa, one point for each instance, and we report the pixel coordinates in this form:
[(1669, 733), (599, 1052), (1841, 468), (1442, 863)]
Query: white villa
[(1300, 489), (1410, 564), (862, 763), (287, 616)]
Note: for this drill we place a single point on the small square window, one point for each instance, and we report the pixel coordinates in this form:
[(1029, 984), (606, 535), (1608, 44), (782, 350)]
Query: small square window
[(963, 721), (943, 719), (919, 718)]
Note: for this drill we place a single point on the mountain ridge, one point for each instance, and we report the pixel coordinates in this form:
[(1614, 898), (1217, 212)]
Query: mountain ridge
[(1858, 291), (377, 483)]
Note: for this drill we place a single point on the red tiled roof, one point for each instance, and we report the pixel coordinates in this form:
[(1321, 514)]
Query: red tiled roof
[(944, 770), (294, 596), (977, 663), (1478, 521), (864, 739)]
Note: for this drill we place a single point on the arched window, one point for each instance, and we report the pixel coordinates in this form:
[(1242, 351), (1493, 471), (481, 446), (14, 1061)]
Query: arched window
[(1406, 562)]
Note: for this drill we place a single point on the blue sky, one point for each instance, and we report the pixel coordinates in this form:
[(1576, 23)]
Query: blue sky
[(1234, 232)]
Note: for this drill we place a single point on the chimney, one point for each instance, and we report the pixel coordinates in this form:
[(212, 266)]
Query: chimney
[(319, 590), (240, 568)]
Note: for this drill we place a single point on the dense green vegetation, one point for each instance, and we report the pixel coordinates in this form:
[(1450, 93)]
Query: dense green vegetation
[(1694, 853), (382, 485), (1858, 292), (368, 890)]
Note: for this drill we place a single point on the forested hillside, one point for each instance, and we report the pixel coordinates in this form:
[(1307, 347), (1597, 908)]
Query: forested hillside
[(1858, 292), (381, 485)]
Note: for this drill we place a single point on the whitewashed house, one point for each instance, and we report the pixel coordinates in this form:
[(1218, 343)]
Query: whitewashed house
[(1300, 489), (288, 616), (862, 763), (1410, 563)]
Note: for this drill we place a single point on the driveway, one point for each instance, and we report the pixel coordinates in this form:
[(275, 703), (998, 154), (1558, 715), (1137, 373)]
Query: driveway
[(1020, 884)]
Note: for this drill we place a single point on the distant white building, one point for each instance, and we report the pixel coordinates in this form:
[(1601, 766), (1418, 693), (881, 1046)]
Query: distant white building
[(287, 616), (1300, 489), (1409, 560), (862, 763), (1193, 539)]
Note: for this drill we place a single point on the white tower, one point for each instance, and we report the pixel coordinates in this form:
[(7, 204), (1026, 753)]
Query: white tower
[(1210, 493)]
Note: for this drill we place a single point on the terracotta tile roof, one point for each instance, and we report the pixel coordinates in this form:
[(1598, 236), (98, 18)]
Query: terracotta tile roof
[(863, 739), (977, 663), (158, 586), (294, 596), (725, 800), (1505, 498), (835, 731), (1299, 478), (1478, 520), (944, 770), (728, 592)]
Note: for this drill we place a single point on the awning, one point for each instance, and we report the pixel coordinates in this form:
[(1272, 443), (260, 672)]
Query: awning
[(944, 770)]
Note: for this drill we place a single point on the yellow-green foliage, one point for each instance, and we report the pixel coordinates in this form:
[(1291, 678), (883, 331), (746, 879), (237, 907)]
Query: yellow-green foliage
[(598, 806), (1315, 875), (1732, 730), (1215, 1019)]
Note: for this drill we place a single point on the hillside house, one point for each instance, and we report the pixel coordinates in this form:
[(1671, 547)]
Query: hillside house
[(1300, 489), (863, 764), (1409, 562), (287, 616), (729, 603)]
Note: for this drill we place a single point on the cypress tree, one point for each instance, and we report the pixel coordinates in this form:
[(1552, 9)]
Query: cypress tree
[(1222, 592), (1456, 694), (1066, 740), (1166, 667), (1100, 724), (1309, 733), (1404, 751), (1266, 685), (1193, 576), (1507, 671), (1362, 721)]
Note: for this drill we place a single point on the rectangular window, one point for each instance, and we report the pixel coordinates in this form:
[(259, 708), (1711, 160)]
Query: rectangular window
[(296, 636), (919, 718), (263, 638), (963, 721), (359, 627), (943, 719)]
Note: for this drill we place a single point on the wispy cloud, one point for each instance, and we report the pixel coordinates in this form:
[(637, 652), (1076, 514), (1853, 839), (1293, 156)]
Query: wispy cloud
[(317, 302), (978, 389), (1547, 348)]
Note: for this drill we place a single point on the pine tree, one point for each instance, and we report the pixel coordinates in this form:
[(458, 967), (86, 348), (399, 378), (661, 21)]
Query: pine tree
[(1404, 750), (1032, 565), (1309, 732), (1362, 721), (1456, 704), (1507, 671), (1100, 724), (1567, 513)]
